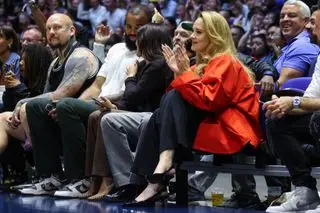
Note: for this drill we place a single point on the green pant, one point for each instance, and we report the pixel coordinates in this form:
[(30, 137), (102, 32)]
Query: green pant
[(65, 136)]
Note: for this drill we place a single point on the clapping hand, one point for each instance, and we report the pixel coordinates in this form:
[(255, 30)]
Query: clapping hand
[(182, 59), (178, 61)]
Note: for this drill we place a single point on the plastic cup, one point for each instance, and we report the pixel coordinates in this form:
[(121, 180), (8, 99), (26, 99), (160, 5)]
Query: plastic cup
[(217, 197)]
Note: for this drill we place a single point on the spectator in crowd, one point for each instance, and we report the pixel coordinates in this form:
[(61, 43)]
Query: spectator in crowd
[(211, 5), (298, 53), (255, 28), (34, 64), (272, 5), (274, 41), (42, 4), (83, 13), (182, 36), (118, 58), (9, 56), (168, 8), (294, 121), (23, 22), (200, 182), (31, 35), (167, 123), (69, 74), (72, 9), (240, 14), (97, 14), (81, 32), (56, 6), (226, 14), (33, 75), (310, 27), (259, 48), (180, 13), (193, 8), (237, 32), (114, 15), (271, 18), (120, 129)]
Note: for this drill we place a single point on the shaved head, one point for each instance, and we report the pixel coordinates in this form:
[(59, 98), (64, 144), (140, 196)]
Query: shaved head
[(60, 30), (62, 18)]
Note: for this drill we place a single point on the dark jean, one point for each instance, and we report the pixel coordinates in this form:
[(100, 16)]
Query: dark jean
[(286, 137), (65, 137)]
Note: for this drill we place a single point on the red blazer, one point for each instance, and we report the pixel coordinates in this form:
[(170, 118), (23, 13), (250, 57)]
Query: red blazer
[(226, 90)]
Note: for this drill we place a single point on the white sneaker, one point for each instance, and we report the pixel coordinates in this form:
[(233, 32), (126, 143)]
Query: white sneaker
[(282, 199), (78, 189), (316, 210), (45, 187), (302, 199)]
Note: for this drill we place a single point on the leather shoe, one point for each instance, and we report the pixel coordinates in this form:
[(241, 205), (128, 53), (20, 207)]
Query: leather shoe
[(123, 194)]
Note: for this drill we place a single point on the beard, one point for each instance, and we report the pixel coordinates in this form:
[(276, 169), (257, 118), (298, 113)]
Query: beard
[(56, 46), (314, 39), (131, 45)]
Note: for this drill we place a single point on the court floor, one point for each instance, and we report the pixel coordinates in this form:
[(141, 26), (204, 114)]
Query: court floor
[(13, 203)]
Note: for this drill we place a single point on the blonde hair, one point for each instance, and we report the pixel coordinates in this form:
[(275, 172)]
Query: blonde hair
[(220, 39)]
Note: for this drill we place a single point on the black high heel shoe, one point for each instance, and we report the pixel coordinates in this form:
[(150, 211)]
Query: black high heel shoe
[(158, 199)]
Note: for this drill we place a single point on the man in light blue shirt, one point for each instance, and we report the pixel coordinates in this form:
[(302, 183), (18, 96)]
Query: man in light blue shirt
[(298, 53)]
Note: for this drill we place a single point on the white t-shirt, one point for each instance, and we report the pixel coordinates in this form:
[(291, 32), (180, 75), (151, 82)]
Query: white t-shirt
[(313, 90), (114, 69)]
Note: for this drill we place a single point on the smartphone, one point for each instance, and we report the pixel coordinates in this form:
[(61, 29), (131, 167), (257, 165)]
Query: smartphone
[(8, 68), (50, 107), (96, 101)]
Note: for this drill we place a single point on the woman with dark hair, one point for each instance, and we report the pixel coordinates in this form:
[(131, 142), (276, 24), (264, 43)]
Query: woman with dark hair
[(9, 49), (33, 75), (145, 84), (34, 64)]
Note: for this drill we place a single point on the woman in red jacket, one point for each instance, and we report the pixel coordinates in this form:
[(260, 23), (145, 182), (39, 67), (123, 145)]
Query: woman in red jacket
[(212, 106)]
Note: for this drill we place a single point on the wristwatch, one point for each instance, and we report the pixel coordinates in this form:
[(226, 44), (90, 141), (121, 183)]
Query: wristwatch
[(296, 101)]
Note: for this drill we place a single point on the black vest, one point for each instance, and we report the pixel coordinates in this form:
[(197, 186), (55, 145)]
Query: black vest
[(57, 72)]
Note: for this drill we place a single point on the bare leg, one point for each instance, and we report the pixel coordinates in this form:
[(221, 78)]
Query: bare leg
[(94, 185), (164, 165), (105, 188), (6, 131)]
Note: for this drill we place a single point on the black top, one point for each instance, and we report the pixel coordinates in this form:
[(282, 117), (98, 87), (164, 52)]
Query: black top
[(144, 91), (12, 96), (57, 72)]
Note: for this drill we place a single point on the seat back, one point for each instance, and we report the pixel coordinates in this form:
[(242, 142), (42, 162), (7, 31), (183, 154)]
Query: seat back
[(294, 87)]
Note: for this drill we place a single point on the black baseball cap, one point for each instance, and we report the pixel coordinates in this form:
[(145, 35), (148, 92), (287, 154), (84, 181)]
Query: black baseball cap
[(187, 25)]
